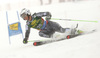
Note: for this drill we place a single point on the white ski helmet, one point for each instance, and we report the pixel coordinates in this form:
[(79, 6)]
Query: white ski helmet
[(25, 12)]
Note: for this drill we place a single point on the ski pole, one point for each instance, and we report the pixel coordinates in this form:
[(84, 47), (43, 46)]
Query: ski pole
[(35, 40), (74, 20)]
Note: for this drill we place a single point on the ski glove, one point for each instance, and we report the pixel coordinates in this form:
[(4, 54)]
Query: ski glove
[(48, 17), (25, 41)]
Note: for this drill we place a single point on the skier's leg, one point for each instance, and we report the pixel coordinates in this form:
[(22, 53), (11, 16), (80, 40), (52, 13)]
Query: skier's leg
[(68, 31), (74, 30), (45, 33), (55, 26), (50, 29)]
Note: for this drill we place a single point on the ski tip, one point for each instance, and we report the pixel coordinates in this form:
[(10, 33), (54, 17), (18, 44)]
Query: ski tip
[(68, 36), (35, 43)]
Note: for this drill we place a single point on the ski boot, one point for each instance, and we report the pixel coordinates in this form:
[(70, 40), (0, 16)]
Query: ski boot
[(74, 32)]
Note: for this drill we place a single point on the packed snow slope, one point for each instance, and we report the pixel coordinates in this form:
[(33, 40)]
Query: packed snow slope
[(85, 46)]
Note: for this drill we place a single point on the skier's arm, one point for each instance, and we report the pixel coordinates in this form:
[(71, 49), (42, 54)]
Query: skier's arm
[(26, 34), (42, 14)]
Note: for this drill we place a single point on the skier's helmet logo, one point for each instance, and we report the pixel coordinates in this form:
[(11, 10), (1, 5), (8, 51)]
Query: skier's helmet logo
[(25, 12)]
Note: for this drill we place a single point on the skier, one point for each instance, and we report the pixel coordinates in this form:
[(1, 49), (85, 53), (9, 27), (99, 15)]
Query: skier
[(46, 27)]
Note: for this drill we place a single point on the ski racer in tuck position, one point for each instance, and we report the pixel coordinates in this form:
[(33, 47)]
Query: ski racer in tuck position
[(46, 27)]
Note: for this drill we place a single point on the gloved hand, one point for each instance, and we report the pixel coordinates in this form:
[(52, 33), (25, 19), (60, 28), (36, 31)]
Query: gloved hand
[(48, 17), (25, 41)]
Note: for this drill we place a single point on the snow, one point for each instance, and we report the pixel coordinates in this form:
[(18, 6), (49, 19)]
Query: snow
[(85, 46)]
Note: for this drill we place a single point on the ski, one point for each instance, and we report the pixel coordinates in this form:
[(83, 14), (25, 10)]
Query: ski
[(41, 42), (37, 43)]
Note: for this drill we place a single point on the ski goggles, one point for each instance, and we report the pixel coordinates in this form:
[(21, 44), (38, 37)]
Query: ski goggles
[(23, 16)]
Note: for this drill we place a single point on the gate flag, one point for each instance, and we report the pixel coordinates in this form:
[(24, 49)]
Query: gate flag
[(14, 29)]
